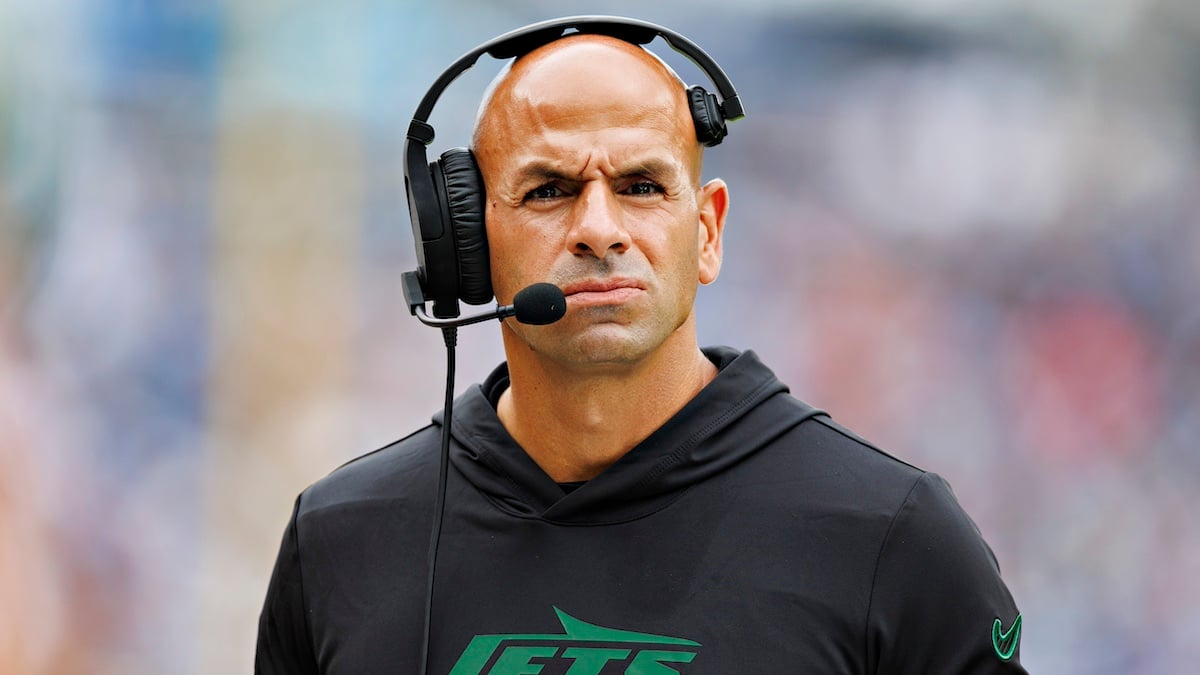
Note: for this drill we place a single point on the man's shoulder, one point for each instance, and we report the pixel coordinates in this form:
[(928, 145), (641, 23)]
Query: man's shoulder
[(838, 466), (394, 471), (851, 446), (863, 478), (814, 444), (841, 443)]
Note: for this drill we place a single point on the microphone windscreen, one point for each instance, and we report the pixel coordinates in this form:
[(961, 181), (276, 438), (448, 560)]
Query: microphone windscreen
[(539, 304)]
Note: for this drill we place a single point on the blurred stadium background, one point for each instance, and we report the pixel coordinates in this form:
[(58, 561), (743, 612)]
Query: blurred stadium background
[(968, 228)]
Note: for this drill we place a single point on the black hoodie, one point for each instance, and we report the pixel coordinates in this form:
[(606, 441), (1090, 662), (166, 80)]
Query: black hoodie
[(748, 534)]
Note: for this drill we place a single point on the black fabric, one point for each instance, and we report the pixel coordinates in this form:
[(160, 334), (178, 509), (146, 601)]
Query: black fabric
[(283, 637), (465, 204), (750, 534), (571, 486)]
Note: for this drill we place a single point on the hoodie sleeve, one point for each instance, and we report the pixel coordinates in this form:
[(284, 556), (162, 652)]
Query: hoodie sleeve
[(284, 646), (938, 604)]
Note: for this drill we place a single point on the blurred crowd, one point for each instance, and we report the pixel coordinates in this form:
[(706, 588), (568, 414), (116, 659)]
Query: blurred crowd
[(971, 234)]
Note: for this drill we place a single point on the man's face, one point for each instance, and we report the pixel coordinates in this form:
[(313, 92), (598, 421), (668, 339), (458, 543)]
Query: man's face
[(591, 166)]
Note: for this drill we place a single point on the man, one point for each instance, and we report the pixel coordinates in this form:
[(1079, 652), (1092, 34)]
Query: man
[(621, 501)]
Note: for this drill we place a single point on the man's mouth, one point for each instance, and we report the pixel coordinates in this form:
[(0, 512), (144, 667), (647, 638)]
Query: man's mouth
[(608, 291)]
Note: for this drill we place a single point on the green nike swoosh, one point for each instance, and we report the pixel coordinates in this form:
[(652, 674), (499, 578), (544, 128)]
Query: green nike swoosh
[(1005, 641)]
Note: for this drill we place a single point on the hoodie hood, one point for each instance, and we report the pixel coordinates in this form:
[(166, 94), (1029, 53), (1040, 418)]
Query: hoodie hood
[(743, 409)]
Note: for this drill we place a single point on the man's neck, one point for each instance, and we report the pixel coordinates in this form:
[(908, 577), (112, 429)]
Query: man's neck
[(576, 422)]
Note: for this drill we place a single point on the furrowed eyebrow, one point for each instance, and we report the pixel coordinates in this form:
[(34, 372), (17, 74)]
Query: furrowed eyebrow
[(542, 171), (651, 168)]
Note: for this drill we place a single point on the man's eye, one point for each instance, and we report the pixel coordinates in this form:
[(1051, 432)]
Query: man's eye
[(547, 191), (644, 187)]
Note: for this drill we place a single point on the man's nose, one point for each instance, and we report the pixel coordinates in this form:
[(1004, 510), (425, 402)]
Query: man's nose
[(597, 226)]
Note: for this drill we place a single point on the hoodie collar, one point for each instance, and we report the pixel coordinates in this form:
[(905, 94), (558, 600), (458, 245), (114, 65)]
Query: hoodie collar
[(735, 415)]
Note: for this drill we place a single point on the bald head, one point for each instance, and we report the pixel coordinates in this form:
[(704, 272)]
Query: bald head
[(588, 81)]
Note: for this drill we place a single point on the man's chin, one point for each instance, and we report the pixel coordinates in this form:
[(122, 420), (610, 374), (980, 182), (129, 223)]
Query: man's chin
[(600, 347)]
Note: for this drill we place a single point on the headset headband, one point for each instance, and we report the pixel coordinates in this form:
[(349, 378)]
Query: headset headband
[(524, 40)]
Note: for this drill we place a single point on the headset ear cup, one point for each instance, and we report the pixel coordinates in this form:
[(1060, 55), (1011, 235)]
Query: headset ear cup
[(464, 201), (707, 116)]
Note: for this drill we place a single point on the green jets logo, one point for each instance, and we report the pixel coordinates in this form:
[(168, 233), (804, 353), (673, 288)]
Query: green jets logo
[(581, 649)]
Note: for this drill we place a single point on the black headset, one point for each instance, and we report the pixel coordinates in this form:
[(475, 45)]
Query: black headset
[(446, 197)]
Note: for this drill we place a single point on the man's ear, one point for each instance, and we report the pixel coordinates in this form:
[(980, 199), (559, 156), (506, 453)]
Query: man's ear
[(714, 206)]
